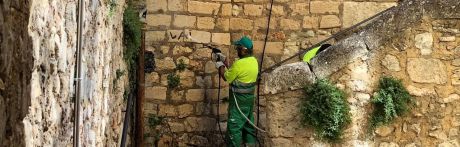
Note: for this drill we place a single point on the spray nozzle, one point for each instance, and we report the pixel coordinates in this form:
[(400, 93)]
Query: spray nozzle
[(213, 46)]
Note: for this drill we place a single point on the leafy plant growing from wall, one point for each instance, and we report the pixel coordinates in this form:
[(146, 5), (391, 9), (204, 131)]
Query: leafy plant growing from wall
[(392, 100), (326, 110), (112, 5), (153, 121), (173, 80), (181, 66)]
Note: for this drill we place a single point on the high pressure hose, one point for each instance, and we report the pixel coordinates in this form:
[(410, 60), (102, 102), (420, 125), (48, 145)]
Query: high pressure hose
[(247, 119), (218, 90), (261, 64), (215, 50), (270, 68), (218, 106)]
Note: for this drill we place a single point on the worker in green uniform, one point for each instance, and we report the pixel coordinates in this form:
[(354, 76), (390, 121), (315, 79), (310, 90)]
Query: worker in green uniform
[(242, 77), (313, 52)]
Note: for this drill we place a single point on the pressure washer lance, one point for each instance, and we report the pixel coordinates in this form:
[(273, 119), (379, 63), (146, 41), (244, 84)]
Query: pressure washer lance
[(218, 56)]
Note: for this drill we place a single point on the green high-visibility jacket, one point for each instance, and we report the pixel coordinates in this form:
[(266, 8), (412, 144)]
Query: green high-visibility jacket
[(310, 54), (242, 76), (244, 70)]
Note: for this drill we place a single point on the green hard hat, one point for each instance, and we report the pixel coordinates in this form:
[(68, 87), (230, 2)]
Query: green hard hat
[(245, 41)]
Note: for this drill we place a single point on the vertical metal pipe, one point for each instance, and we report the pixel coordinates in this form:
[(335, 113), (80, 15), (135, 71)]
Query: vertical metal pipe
[(140, 94), (126, 121), (76, 134)]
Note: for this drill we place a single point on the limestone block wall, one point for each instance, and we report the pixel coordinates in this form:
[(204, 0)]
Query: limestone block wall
[(190, 109), (37, 71), (428, 66), (50, 117), (422, 51)]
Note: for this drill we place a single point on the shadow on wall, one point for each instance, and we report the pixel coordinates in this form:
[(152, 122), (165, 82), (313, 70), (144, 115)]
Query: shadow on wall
[(16, 64)]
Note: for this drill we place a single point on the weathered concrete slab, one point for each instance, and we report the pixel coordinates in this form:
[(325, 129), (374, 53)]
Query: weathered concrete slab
[(288, 77), (338, 56)]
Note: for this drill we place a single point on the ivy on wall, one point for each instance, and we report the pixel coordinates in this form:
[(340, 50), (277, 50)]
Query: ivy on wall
[(326, 110)]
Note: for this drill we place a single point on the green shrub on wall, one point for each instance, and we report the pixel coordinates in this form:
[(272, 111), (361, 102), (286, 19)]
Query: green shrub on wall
[(326, 110), (391, 101)]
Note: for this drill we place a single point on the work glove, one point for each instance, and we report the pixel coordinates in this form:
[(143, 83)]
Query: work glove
[(218, 57), (219, 64)]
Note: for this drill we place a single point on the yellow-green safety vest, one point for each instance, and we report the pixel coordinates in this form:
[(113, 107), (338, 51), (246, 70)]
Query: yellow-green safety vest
[(244, 70), (310, 54)]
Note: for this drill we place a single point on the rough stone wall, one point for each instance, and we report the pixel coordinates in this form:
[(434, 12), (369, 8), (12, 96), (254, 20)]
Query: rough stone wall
[(52, 26), (428, 66), (422, 50), (190, 109), (15, 70)]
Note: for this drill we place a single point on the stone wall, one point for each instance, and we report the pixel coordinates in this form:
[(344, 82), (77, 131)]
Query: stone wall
[(15, 70), (423, 51), (428, 66), (37, 64), (191, 109), (50, 118)]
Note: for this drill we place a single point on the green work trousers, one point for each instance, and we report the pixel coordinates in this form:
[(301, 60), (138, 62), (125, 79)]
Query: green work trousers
[(238, 129)]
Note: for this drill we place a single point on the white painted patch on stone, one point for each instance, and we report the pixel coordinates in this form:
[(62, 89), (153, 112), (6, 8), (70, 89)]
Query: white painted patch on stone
[(424, 42)]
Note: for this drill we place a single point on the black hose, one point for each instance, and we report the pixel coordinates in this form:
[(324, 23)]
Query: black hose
[(261, 65), (218, 107), (325, 40)]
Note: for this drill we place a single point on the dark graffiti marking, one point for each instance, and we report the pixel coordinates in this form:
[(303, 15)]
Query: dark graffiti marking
[(178, 36)]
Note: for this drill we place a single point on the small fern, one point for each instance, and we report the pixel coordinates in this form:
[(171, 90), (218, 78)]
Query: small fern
[(326, 110), (391, 101)]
